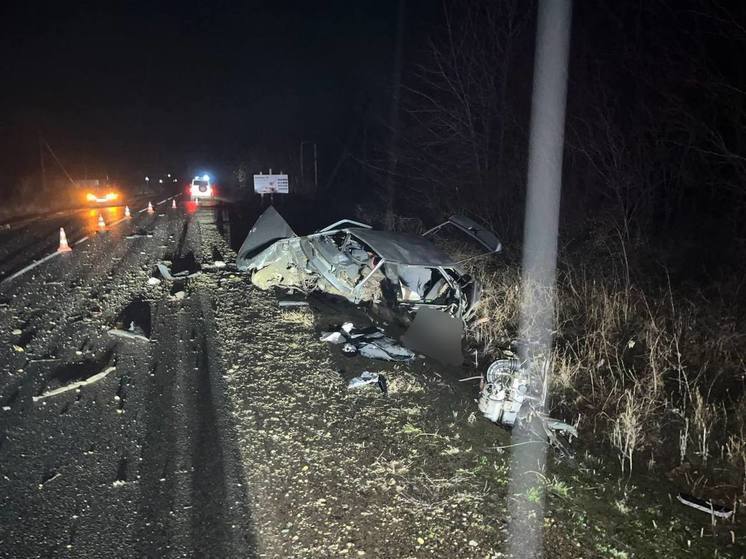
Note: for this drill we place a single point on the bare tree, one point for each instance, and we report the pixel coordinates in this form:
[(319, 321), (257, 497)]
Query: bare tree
[(458, 105)]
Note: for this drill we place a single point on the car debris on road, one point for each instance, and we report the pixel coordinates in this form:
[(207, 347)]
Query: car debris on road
[(134, 332), (288, 303), (165, 271), (512, 395), (216, 265), (140, 233), (369, 342), (368, 378)]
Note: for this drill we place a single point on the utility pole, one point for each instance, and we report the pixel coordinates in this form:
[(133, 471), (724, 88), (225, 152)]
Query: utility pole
[(41, 164), (302, 174), (315, 167), (394, 118), (54, 155), (539, 266), (315, 172)]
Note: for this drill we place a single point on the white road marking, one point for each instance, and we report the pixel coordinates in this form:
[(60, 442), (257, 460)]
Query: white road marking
[(31, 266), (35, 263)]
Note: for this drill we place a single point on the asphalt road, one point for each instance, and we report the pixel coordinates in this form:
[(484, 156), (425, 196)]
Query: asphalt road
[(114, 446)]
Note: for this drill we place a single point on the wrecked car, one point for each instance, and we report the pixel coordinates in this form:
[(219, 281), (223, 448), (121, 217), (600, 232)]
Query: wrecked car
[(354, 261)]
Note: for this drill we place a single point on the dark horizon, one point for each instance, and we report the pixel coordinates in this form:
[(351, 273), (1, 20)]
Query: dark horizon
[(119, 89)]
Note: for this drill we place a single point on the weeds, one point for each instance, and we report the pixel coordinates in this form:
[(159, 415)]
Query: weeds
[(623, 359), (302, 317), (703, 419), (626, 432)]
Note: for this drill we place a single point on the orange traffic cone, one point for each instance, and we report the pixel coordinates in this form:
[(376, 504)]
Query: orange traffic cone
[(101, 222), (150, 208), (64, 247), (173, 204), (127, 211)]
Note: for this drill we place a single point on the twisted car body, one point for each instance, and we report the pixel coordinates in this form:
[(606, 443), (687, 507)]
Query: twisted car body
[(354, 261)]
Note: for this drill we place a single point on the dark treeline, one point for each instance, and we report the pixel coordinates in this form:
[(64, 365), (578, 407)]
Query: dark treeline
[(655, 138)]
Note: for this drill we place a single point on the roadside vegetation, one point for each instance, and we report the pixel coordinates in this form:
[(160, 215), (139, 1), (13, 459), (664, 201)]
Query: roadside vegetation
[(653, 373)]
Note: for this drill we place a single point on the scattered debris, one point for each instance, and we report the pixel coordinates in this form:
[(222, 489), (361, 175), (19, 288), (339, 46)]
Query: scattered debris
[(333, 337), (293, 303), (132, 333), (705, 506), (215, 265), (165, 271), (370, 378), (48, 478), (134, 322), (505, 389), (512, 395), (369, 342), (140, 233), (153, 281), (351, 260), (74, 385)]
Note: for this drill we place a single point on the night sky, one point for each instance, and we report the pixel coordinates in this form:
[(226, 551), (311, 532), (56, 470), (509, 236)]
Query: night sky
[(137, 87)]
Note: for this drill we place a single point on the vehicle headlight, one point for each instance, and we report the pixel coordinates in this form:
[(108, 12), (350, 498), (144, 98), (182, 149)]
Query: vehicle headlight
[(90, 197)]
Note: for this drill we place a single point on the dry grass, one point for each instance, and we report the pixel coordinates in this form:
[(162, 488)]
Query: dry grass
[(302, 317), (631, 361)]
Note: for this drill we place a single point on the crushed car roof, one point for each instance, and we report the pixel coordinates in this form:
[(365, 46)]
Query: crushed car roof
[(402, 248)]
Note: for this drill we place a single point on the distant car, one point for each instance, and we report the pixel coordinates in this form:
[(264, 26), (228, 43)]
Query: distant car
[(201, 188), (103, 195)]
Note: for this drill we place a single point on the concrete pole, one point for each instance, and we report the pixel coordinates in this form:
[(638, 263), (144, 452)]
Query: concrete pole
[(315, 171), (541, 227)]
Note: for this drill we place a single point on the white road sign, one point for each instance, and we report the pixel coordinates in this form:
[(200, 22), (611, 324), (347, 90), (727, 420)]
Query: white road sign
[(271, 184)]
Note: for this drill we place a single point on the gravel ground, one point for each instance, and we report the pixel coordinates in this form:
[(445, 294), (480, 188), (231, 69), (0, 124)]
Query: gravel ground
[(141, 463)]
